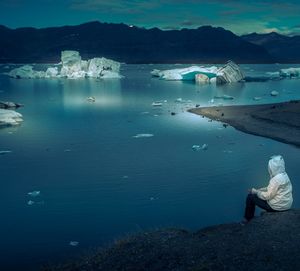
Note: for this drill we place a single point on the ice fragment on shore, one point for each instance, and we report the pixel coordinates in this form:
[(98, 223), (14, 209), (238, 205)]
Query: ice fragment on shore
[(143, 135), (34, 193)]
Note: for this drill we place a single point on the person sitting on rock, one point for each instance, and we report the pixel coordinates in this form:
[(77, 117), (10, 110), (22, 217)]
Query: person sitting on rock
[(277, 196)]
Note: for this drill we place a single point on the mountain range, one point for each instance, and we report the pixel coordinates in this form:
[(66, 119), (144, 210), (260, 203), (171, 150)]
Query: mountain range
[(131, 44)]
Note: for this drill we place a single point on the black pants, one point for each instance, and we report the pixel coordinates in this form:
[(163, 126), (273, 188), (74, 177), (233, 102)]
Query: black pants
[(252, 201)]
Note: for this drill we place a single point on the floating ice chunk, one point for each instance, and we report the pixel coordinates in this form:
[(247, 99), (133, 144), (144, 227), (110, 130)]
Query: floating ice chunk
[(290, 72), (30, 202), (74, 243), (204, 147), (143, 135), (34, 193), (274, 93), (4, 152), (10, 118), (224, 97), (91, 99), (9, 105), (228, 151), (178, 100), (157, 104), (257, 98)]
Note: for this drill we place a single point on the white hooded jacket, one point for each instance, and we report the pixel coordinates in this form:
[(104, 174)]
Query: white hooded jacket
[(278, 194)]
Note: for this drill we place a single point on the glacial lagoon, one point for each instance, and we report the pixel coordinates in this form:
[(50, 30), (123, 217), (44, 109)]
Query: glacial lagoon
[(99, 180)]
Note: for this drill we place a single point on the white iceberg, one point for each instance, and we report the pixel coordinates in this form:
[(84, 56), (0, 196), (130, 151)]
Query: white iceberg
[(185, 74), (10, 118), (72, 67), (290, 72), (229, 73)]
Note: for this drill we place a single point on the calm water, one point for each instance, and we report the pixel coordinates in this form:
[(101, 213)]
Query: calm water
[(99, 183)]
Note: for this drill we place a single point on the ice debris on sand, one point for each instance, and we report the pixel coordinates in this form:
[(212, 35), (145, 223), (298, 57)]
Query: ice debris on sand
[(72, 67), (229, 73), (143, 135)]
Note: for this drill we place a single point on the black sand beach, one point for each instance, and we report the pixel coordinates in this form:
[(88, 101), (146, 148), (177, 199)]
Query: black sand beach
[(279, 121), (269, 242)]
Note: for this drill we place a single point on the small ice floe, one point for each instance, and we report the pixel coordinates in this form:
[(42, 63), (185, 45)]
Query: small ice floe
[(157, 103), (91, 99), (257, 98), (211, 101), (4, 152), (274, 93), (178, 100), (67, 150), (144, 113), (125, 177), (74, 243), (204, 147), (224, 97), (30, 202), (34, 193), (143, 135)]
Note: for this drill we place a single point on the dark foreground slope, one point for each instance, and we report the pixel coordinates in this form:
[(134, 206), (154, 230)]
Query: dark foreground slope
[(128, 44), (279, 121), (269, 242)]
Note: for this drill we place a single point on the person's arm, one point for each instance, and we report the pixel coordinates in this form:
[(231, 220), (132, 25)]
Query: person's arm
[(269, 193)]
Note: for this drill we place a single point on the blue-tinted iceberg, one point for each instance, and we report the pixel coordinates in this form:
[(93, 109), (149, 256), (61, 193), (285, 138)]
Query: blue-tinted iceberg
[(72, 67), (229, 73)]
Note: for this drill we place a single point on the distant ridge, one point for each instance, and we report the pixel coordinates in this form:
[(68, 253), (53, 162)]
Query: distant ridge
[(283, 48), (129, 44)]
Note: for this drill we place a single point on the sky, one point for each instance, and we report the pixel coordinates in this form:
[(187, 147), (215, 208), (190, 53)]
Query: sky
[(239, 16)]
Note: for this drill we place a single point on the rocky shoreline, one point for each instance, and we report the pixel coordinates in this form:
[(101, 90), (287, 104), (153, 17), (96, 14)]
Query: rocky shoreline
[(280, 121), (268, 242)]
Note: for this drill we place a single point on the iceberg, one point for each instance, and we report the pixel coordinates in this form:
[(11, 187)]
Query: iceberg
[(72, 67), (229, 73), (185, 74), (290, 73), (10, 118)]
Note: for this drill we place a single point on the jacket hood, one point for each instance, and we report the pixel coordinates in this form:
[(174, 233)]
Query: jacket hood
[(276, 165)]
